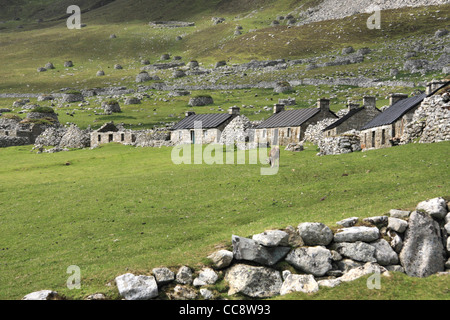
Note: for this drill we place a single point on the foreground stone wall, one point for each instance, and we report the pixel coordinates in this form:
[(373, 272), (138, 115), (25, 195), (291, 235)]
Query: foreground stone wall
[(416, 243)]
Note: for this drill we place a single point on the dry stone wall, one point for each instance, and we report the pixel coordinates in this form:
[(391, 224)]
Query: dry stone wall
[(416, 243)]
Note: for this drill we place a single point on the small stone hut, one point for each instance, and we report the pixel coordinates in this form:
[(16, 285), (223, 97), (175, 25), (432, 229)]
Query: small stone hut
[(110, 132)]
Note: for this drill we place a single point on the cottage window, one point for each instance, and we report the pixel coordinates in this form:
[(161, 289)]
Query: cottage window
[(122, 137), (383, 136), (110, 138), (393, 131), (264, 133), (6, 133), (99, 138), (373, 139), (289, 132)]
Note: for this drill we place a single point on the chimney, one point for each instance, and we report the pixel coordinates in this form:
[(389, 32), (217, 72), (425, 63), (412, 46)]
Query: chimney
[(189, 113), (396, 97), (351, 105), (278, 108), (323, 104), (235, 111), (428, 90), (369, 102), (433, 86)]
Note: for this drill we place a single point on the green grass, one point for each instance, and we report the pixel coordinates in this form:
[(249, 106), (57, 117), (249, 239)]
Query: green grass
[(120, 209)]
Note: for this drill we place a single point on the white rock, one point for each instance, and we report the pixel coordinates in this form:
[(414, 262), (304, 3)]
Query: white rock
[(221, 259), (140, 287), (299, 283), (272, 238), (42, 295), (437, 207), (397, 225), (353, 234), (205, 277)]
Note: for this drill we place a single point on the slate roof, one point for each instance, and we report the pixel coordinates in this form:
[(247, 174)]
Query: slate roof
[(289, 118), (208, 120), (395, 112), (349, 114)]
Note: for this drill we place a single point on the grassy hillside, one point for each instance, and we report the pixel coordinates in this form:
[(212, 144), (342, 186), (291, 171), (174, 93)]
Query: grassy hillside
[(117, 209), (91, 49)]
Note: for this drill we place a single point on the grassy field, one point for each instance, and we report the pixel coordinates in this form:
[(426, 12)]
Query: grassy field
[(120, 209)]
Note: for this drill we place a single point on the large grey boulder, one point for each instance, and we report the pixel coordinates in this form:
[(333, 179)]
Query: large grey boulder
[(143, 76), (353, 234), (423, 251), (359, 251), (384, 254), (315, 234), (251, 250), (299, 283), (436, 208), (255, 282), (312, 260), (111, 106), (140, 287)]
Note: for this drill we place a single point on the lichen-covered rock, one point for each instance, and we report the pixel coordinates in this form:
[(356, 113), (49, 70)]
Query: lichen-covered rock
[(423, 252), (315, 234), (163, 275), (436, 207), (140, 287), (354, 234), (206, 276), (251, 250), (221, 259), (255, 282), (299, 283), (184, 275), (312, 260)]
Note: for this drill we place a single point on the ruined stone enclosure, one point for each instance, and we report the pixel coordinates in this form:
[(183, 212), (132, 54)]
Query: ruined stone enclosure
[(109, 133)]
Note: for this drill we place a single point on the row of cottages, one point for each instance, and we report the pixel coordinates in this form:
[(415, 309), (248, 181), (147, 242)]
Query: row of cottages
[(289, 126), (386, 129), (355, 118), (202, 128)]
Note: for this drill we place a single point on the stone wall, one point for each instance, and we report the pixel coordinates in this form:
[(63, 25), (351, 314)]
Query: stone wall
[(430, 122), (345, 143), (416, 243)]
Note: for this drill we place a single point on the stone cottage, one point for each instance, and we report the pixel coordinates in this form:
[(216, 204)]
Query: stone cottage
[(387, 128), (202, 128), (288, 126), (110, 132), (355, 118)]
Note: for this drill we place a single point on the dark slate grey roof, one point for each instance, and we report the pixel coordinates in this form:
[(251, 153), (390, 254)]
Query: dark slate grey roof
[(395, 112), (289, 118), (349, 114), (208, 120)]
